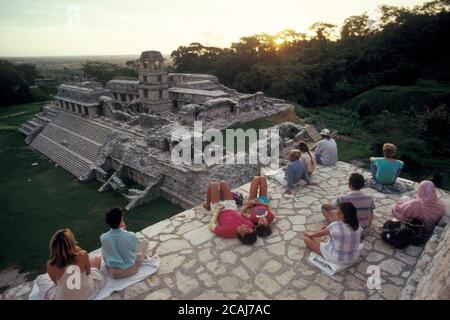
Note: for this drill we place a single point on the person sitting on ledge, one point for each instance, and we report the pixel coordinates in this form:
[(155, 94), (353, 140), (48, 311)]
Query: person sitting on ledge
[(386, 169), (65, 257), (295, 171), (426, 206), (227, 221), (122, 251), (363, 203), (258, 209), (308, 158), (344, 236), (326, 149)]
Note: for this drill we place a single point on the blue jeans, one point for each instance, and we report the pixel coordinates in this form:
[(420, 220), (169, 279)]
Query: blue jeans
[(318, 159)]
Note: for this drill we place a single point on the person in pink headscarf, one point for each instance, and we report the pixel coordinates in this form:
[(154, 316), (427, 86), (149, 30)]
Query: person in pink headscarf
[(426, 206)]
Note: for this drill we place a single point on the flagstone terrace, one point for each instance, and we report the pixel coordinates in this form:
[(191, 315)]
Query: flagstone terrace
[(195, 264)]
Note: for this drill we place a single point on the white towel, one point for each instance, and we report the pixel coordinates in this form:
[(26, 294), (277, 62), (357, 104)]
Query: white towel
[(328, 267), (149, 266), (277, 175)]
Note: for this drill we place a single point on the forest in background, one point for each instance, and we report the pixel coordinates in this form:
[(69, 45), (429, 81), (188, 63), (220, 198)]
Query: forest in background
[(373, 79)]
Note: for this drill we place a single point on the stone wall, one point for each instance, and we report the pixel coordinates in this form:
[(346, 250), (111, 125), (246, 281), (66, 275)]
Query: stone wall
[(149, 121), (431, 277)]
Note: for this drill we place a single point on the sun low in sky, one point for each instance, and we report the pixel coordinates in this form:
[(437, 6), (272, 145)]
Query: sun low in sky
[(97, 27)]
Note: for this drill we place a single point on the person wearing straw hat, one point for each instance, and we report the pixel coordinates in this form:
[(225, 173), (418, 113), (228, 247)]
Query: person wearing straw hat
[(326, 150)]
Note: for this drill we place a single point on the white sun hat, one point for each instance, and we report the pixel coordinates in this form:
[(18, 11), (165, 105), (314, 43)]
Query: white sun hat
[(325, 132)]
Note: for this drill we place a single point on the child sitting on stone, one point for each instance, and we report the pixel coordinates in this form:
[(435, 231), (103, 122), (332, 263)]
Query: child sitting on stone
[(227, 221), (343, 237), (258, 209)]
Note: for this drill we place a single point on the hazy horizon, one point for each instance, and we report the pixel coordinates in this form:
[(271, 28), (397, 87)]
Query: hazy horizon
[(77, 55), (66, 28)]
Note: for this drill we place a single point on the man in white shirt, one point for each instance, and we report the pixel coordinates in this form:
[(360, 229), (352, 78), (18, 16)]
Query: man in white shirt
[(326, 150)]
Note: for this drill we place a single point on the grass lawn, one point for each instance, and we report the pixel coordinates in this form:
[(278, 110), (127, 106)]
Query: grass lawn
[(38, 200)]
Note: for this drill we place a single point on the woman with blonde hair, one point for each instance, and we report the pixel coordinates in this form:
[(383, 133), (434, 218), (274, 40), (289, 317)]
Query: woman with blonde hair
[(74, 276), (386, 169), (309, 160)]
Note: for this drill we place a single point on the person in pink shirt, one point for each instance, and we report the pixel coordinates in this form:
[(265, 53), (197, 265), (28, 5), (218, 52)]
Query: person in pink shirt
[(426, 206), (258, 209), (227, 221)]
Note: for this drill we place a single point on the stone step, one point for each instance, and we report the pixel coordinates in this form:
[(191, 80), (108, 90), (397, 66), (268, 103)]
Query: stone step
[(90, 133), (25, 130), (28, 126), (50, 112), (33, 123), (43, 118), (75, 164), (85, 128), (87, 148)]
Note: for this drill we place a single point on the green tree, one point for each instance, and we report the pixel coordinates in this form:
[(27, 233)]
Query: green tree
[(323, 30), (357, 26), (105, 71), (28, 71), (13, 87)]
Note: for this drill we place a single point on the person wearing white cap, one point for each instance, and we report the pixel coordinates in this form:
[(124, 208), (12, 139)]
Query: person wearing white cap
[(326, 150)]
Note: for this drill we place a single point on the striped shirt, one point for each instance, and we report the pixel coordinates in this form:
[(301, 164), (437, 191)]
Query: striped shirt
[(364, 205), (342, 245)]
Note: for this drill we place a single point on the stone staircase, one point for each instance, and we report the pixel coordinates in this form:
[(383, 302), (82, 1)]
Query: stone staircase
[(77, 143), (137, 197), (39, 120), (77, 165), (86, 128), (72, 142)]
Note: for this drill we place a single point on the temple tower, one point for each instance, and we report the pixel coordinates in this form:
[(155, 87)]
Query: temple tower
[(153, 82)]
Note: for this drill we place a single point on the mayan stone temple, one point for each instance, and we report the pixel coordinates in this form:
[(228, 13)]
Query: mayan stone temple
[(121, 135)]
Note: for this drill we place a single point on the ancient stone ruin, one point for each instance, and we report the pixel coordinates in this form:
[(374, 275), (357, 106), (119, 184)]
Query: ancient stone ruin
[(121, 135)]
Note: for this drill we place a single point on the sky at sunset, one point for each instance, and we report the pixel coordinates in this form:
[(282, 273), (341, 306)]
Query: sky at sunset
[(96, 27)]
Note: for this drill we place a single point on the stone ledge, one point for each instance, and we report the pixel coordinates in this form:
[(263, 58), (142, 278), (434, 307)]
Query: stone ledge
[(197, 265)]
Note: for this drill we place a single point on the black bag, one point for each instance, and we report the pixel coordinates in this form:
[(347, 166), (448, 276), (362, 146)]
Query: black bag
[(392, 225), (401, 234), (418, 234), (398, 238)]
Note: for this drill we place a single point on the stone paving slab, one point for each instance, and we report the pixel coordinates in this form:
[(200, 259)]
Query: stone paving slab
[(195, 264)]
